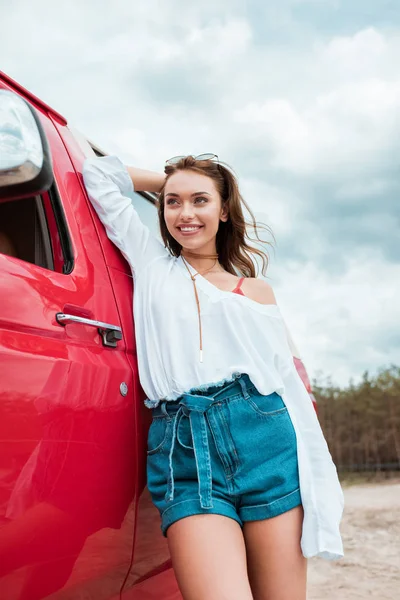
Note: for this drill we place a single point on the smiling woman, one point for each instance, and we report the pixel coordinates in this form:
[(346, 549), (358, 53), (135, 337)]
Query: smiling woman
[(218, 370), (205, 194)]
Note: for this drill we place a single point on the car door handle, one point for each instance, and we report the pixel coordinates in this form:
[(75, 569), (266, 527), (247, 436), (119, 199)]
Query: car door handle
[(110, 334)]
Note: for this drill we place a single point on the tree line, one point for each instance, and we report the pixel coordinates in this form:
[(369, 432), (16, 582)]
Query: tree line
[(361, 423)]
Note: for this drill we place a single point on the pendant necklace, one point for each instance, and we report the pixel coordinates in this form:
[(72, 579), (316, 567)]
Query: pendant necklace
[(194, 254)]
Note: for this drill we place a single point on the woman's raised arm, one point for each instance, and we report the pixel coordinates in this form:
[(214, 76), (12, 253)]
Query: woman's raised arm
[(109, 183), (146, 181)]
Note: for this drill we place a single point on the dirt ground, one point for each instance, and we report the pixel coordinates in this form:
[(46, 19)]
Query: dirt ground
[(371, 539)]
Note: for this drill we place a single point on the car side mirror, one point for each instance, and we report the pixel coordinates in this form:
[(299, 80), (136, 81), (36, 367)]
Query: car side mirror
[(25, 160)]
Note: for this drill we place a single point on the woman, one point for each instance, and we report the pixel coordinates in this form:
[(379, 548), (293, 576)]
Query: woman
[(237, 463)]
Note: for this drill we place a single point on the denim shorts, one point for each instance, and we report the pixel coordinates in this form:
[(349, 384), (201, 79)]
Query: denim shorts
[(228, 450)]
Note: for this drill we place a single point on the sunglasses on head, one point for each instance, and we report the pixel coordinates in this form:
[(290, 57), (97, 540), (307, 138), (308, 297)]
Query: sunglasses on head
[(175, 159)]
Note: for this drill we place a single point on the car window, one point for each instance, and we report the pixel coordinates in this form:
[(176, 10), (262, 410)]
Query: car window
[(33, 230), (24, 232), (147, 211)]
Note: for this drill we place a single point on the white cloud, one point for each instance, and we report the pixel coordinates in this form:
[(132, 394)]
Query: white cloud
[(341, 129), (219, 42), (367, 188), (337, 322), (356, 56), (273, 205)]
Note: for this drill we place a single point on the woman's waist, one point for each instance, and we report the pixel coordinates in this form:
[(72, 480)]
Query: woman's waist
[(217, 391)]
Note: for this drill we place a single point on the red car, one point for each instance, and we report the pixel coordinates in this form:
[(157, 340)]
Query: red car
[(76, 520)]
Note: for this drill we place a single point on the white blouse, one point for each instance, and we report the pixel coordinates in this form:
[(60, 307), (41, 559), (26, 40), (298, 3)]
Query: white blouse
[(240, 335)]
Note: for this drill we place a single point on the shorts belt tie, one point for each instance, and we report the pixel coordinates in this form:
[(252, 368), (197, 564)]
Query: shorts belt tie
[(194, 406)]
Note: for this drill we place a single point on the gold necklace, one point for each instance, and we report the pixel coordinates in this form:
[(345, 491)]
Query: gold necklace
[(194, 254)]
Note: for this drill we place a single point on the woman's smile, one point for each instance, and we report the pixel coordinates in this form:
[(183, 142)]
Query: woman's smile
[(190, 229)]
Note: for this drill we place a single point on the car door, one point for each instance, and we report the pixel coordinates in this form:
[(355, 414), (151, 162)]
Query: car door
[(151, 575), (67, 462)]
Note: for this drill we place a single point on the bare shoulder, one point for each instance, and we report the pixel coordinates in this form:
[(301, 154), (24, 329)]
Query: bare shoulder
[(259, 290)]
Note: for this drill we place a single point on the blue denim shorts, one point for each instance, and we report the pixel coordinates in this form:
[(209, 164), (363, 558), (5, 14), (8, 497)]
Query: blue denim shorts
[(228, 450)]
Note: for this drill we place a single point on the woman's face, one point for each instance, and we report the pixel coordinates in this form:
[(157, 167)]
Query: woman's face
[(191, 199)]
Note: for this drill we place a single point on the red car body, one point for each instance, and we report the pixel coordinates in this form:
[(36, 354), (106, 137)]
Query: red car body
[(76, 519)]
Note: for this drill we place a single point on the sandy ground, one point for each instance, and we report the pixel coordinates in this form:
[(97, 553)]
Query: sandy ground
[(371, 539)]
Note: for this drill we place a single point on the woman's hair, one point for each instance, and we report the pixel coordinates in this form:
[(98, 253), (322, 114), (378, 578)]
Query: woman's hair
[(233, 250)]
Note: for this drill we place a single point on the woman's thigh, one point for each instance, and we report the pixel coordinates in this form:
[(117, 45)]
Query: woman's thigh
[(209, 558), (276, 565)]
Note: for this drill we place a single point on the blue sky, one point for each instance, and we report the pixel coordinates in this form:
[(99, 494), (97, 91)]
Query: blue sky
[(301, 97)]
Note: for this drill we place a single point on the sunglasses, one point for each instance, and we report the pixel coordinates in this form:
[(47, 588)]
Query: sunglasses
[(175, 159)]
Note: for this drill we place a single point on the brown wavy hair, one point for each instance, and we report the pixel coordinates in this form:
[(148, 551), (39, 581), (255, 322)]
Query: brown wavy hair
[(233, 250)]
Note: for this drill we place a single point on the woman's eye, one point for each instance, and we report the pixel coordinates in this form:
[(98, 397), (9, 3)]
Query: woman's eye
[(171, 200)]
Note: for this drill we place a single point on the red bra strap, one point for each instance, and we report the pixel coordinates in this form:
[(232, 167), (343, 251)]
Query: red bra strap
[(239, 284)]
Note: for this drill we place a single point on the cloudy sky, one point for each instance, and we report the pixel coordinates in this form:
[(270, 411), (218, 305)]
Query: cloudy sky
[(301, 97)]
